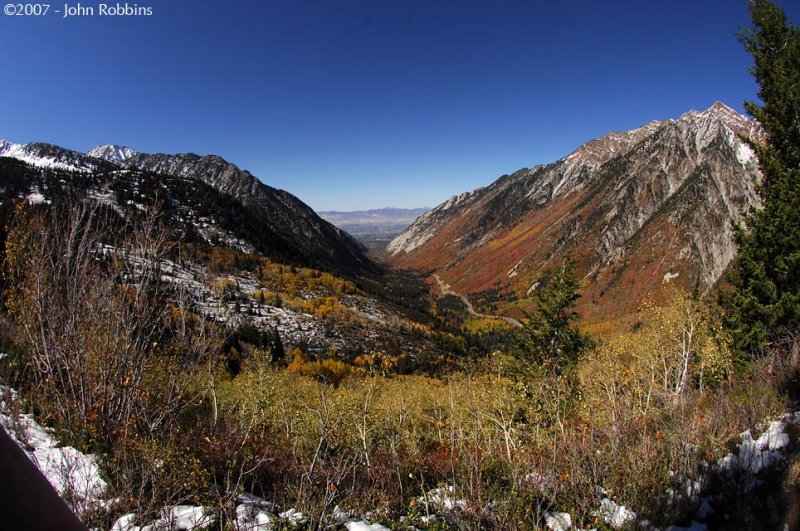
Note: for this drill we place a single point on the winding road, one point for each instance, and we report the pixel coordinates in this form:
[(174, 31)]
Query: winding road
[(446, 290)]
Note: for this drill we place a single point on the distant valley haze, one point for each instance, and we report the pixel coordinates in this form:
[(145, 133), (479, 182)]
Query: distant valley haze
[(374, 228), (378, 216)]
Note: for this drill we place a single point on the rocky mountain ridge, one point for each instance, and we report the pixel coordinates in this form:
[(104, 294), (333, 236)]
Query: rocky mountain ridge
[(50, 156), (285, 213), (285, 218), (638, 209)]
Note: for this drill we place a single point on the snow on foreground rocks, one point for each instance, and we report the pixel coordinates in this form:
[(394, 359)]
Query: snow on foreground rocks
[(352, 524), (74, 475), (751, 457), (558, 521), (442, 500), (252, 514), (615, 515), (178, 517), (756, 455), (77, 479)]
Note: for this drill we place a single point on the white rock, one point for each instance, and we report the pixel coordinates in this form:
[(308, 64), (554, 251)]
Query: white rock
[(249, 517), (774, 438), (185, 517), (360, 525), (615, 515), (442, 500), (756, 455), (341, 515), (558, 521), (294, 517), (729, 463), (247, 498), (125, 523)]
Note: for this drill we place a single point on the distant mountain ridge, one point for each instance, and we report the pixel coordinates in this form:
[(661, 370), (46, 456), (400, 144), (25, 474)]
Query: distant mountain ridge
[(374, 228), (638, 209), (378, 216), (282, 218), (50, 156)]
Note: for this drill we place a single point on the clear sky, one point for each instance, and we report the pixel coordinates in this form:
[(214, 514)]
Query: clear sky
[(356, 104)]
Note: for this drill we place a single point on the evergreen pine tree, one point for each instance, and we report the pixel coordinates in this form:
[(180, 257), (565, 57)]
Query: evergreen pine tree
[(551, 337), (763, 305)]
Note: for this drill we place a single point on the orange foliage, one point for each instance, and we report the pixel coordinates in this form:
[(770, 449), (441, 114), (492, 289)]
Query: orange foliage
[(330, 371)]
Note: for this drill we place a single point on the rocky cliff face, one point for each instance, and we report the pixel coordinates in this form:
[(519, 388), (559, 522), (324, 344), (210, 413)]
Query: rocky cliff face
[(638, 209)]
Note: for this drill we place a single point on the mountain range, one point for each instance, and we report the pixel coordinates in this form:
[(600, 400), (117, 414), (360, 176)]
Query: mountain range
[(212, 198), (636, 210), (378, 216)]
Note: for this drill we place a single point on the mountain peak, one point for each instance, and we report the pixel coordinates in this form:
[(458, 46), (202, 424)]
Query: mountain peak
[(719, 111), (719, 106), (719, 118), (112, 153)]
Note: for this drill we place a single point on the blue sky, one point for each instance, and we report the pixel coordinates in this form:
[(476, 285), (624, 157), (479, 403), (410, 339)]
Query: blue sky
[(355, 104)]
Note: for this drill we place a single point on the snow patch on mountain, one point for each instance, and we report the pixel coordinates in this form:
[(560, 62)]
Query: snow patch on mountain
[(112, 153), (744, 154), (37, 198), (43, 156)]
